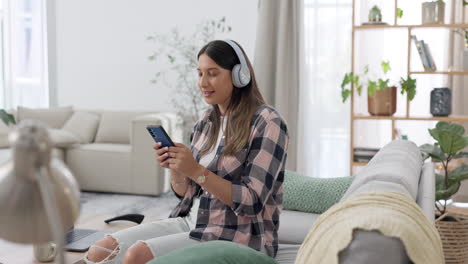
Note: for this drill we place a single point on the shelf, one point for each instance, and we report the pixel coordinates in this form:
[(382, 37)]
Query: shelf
[(363, 27), (440, 72), (449, 118)]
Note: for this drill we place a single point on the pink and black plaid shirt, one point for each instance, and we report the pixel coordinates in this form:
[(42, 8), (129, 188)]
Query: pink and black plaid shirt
[(256, 173)]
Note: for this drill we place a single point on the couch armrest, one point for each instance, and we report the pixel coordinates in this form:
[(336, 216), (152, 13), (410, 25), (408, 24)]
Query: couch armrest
[(426, 191), (147, 176)]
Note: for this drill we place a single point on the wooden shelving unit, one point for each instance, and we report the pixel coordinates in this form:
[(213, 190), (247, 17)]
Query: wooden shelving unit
[(407, 117)]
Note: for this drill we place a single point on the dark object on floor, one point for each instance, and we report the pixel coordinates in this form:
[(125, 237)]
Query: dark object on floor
[(79, 240), (136, 218)]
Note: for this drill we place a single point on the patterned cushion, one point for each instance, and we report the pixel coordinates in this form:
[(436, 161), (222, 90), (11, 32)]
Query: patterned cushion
[(312, 195)]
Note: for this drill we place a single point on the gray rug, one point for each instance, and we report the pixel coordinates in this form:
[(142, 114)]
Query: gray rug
[(157, 207)]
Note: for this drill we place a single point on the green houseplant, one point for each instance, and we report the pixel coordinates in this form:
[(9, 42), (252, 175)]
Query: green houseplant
[(377, 87), (450, 142), (451, 225), (7, 118)]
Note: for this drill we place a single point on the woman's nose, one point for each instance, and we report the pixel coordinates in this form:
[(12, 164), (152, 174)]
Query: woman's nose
[(203, 82)]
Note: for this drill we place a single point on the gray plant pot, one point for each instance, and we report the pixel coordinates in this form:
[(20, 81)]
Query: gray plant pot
[(433, 12)]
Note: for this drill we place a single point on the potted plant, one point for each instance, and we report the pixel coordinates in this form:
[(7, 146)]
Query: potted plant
[(433, 12), (452, 226), (381, 95)]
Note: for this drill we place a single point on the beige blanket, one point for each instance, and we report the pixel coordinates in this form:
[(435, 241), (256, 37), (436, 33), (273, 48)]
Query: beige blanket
[(393, 214)]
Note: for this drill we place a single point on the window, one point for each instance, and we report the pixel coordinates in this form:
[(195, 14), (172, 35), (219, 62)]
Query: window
[(23, 58), (325, 119)]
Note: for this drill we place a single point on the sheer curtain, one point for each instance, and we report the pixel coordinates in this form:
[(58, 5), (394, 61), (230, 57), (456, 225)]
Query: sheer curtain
[(324, 119), (24, 54)]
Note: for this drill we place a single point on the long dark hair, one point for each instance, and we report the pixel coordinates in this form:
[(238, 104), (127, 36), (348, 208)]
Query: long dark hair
[(242, 106)]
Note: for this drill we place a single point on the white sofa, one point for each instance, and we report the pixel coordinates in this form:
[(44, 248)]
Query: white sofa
[(107, 151)]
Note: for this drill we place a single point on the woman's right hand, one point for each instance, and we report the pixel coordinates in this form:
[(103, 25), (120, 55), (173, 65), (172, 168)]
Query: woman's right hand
[(161, 155)]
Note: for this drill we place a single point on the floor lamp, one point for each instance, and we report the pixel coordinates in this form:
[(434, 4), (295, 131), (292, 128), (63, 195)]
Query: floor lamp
[(39, 197)]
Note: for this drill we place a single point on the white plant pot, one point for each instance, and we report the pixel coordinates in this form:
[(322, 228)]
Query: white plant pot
[(433, 12)]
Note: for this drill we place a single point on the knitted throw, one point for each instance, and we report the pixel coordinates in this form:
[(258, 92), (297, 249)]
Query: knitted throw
[(393, 214)]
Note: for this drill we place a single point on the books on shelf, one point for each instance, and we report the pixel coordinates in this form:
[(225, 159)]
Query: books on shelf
[(425, 54), (364, 154)]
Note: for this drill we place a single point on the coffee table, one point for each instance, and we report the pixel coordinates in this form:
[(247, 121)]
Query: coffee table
[(23, 254)]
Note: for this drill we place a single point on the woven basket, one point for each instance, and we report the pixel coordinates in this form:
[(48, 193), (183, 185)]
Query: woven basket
[(454, 236)]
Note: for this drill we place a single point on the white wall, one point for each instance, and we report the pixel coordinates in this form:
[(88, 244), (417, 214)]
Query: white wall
[(99, 49)]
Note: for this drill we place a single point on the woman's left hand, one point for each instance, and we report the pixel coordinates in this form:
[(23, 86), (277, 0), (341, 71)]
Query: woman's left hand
[(181, 160)]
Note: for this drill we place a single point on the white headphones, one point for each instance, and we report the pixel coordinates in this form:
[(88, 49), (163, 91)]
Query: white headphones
[(240, 72)]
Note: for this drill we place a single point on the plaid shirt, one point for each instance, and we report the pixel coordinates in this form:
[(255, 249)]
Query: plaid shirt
[(256, 173)]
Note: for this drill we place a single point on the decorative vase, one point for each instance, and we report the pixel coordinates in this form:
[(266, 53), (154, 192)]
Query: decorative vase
[(375, 15), (441, 101), (433, 12), (382, 103)]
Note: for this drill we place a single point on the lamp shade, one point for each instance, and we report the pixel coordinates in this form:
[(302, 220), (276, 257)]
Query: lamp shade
[(23, 217)]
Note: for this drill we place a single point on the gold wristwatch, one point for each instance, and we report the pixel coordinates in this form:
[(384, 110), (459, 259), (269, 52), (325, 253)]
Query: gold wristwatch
[(202, 178)]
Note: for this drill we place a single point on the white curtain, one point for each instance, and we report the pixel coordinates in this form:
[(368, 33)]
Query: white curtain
[(460, 88), (25, 54), (324, 137), (277, 61)]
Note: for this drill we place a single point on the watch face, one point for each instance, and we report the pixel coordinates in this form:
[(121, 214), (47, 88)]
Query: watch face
[(201, 179)]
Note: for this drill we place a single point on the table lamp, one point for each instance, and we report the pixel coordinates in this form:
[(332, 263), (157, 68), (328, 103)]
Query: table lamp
[(39, 197)]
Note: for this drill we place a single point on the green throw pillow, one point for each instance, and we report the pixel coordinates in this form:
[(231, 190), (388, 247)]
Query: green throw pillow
[(312, 195), (215, 252)]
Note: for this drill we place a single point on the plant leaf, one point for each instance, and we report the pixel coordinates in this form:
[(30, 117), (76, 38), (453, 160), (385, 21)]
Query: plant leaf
[(385, 66), (371, 87), (445, 194), (408, 86), (450, 142), (460, 155), (346, 79), (399, 12), (459, 174), (465, 2), (382, 84), (7, 118), (366, 69), (345, 93), (433, 151)]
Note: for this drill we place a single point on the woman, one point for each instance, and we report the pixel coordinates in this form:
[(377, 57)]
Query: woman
[(229, 181)]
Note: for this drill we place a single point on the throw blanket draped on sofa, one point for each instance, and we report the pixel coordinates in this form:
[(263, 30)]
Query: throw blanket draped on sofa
[(391, 213)]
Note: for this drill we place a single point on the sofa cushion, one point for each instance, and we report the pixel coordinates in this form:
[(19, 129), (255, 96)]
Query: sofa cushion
[(53, 117), (62, 138), (215, 252), (115, 127), (294, 226), (313, 195), (84, 125)]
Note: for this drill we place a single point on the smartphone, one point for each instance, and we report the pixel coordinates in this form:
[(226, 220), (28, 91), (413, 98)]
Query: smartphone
[(159, 135)]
